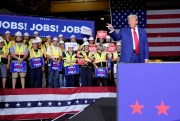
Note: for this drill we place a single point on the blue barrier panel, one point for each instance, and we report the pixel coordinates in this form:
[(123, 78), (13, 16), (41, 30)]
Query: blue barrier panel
[(149, 92)]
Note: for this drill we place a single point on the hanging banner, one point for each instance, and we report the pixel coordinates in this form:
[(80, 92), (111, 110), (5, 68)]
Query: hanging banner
[(18, 67), (56, 66), (46, 26), (36, 62), (69, 70), (101, 73)]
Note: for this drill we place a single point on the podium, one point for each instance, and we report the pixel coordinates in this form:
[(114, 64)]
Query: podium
[(149, 92)]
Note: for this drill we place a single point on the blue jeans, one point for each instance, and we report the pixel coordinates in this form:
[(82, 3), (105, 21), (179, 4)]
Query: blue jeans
[(53, 78), (62, 80), (36, 78)]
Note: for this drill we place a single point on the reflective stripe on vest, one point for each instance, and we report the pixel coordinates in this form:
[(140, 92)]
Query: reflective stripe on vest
[(19, 50), (69, 58), (34, 54), (100, 57), (55, 53)]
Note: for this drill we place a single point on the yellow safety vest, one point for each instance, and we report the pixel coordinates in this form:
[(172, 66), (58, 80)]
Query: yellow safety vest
[(100, 57), (47, 45), (19, 50), (69, 58), (87, 57), (34, 54), (55, 53), (5, 52), (115, 55), (10, 44), (30, 44)]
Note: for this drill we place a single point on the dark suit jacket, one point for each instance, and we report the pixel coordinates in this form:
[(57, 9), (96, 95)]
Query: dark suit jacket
[(127, 44)]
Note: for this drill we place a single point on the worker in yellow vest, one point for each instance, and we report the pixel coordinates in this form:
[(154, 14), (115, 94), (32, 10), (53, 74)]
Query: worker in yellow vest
[(36, 73), (87, 66), (62, 79), (47, 44), (100, 62), (4, 53), (26, 39), (36, 34), (19, 52), (8, 42), (73, 39), (53, 53), (43, 50), (70, 59)]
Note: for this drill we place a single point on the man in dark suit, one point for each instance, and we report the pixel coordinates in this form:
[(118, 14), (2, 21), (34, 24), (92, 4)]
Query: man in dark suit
[(134, 42)]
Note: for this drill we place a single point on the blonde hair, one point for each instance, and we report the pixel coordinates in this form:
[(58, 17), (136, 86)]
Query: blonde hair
[(132, 16)]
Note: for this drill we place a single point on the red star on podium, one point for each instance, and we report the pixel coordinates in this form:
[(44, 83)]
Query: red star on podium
[(162, 109), (137, 108)]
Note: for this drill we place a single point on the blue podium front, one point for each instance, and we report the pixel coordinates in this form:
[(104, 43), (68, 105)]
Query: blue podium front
[(149, 92)]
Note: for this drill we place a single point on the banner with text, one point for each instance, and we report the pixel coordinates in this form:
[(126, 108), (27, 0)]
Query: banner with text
[(46, 26)]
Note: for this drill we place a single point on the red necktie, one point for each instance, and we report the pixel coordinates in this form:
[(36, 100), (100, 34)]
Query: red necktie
[(136, 41)]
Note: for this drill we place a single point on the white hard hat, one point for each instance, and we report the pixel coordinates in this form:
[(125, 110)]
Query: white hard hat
[(26, 34), (36, 32), (73, 36), (55, 39), (18, 34), (48, 36), (38, 39), (91, 38), (118, 43), (97, 43), (1, 39), (86, 43), (61, 42), (34, 41), (105, 45), (7, 32), (60, 35), (84, 39), (108, 37)]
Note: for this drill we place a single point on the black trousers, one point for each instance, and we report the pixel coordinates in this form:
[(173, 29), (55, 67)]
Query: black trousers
[(86, 76)]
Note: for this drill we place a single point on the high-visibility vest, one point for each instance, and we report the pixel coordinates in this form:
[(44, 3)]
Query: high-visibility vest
[(87, 57), (43, 50), (19, 50), (100, 57), (69, 58), (115, 55), (47, 45), (30, 44), (4, 53), (10, 44), (34, 54), (55, 51)]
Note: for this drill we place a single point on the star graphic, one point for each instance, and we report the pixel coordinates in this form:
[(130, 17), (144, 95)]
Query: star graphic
[(85, 101), (137, 108), (68, 102), (39, 103), (77, 101), (29, 104), (162, 109), (49, 103), (59, 103), (7, 105), (18, 104)]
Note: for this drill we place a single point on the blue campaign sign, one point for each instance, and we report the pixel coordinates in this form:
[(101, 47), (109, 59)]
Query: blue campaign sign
[(56, 66), (69, 70), (46, 26), (36, 62), (101, 73), (18, 67), (149, 92)]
